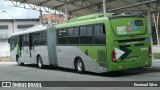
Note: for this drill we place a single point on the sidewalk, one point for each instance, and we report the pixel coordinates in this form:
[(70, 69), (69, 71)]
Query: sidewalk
[(155, 49), (156, 60), (8, 63)]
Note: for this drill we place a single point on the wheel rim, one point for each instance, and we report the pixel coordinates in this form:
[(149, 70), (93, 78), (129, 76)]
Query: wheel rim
[(39, 63), (19, 62), (79, 65)]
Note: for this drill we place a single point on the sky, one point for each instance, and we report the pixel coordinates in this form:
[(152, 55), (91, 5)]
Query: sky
[(17, 13)]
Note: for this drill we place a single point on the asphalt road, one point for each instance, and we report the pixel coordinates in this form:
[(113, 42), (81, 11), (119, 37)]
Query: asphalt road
[(12, 72)]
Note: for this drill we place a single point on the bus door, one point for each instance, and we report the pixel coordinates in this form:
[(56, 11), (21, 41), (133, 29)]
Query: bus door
[(31, 48), (26, 50)]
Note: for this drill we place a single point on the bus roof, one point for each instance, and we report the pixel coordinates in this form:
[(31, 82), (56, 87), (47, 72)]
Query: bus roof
[(91, 16), (100, 15), (30, 30)]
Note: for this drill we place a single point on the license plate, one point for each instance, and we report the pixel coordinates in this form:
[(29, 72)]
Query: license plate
[(132, 58)]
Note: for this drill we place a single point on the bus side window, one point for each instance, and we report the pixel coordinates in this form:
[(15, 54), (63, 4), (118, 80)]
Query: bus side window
[(76, 31), (74, 38), (86, 34), (61, 36), (35, 41), (40, 37), (11, 43), (89, 30), (83, 31), (102, 30), (76, 35), (45, 37), (15, 40), (26, 40), (70, 32), (99, 29), (42, 40), (96, 30), (89, 37), (99, 34), (70, 35)]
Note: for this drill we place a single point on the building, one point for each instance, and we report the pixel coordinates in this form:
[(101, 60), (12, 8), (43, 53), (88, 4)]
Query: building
[(9, 26), (53, 18)]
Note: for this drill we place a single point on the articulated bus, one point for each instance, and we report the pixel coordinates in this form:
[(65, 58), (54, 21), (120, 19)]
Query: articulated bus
[(96, 43)]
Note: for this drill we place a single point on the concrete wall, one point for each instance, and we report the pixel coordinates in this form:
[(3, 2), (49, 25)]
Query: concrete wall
[(4, 48), (5, 33)]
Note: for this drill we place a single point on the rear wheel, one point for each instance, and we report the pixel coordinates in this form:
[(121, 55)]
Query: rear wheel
[(79, 66), (19, 62), (40, 63)]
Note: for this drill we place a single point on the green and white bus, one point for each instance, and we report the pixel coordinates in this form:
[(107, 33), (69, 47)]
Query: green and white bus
[(96, 43)]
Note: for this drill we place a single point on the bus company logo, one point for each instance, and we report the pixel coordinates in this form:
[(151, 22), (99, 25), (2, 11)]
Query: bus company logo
[(132, 28), (121, 30), (6, 84), (124, 29)]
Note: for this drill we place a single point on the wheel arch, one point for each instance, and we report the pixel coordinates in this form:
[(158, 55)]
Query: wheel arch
[(38, 55), (75, 60), (17, 56)]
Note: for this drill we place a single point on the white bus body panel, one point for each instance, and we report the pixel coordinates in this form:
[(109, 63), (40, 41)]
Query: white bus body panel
[(67, 54), (43, 52)]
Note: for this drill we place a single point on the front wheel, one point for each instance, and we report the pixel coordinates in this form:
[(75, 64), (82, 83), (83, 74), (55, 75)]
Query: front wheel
[(79, 66), (40, 63)]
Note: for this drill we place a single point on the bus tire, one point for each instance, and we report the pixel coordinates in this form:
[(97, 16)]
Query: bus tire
[(19, 61), (40, 62), (79, 66)]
